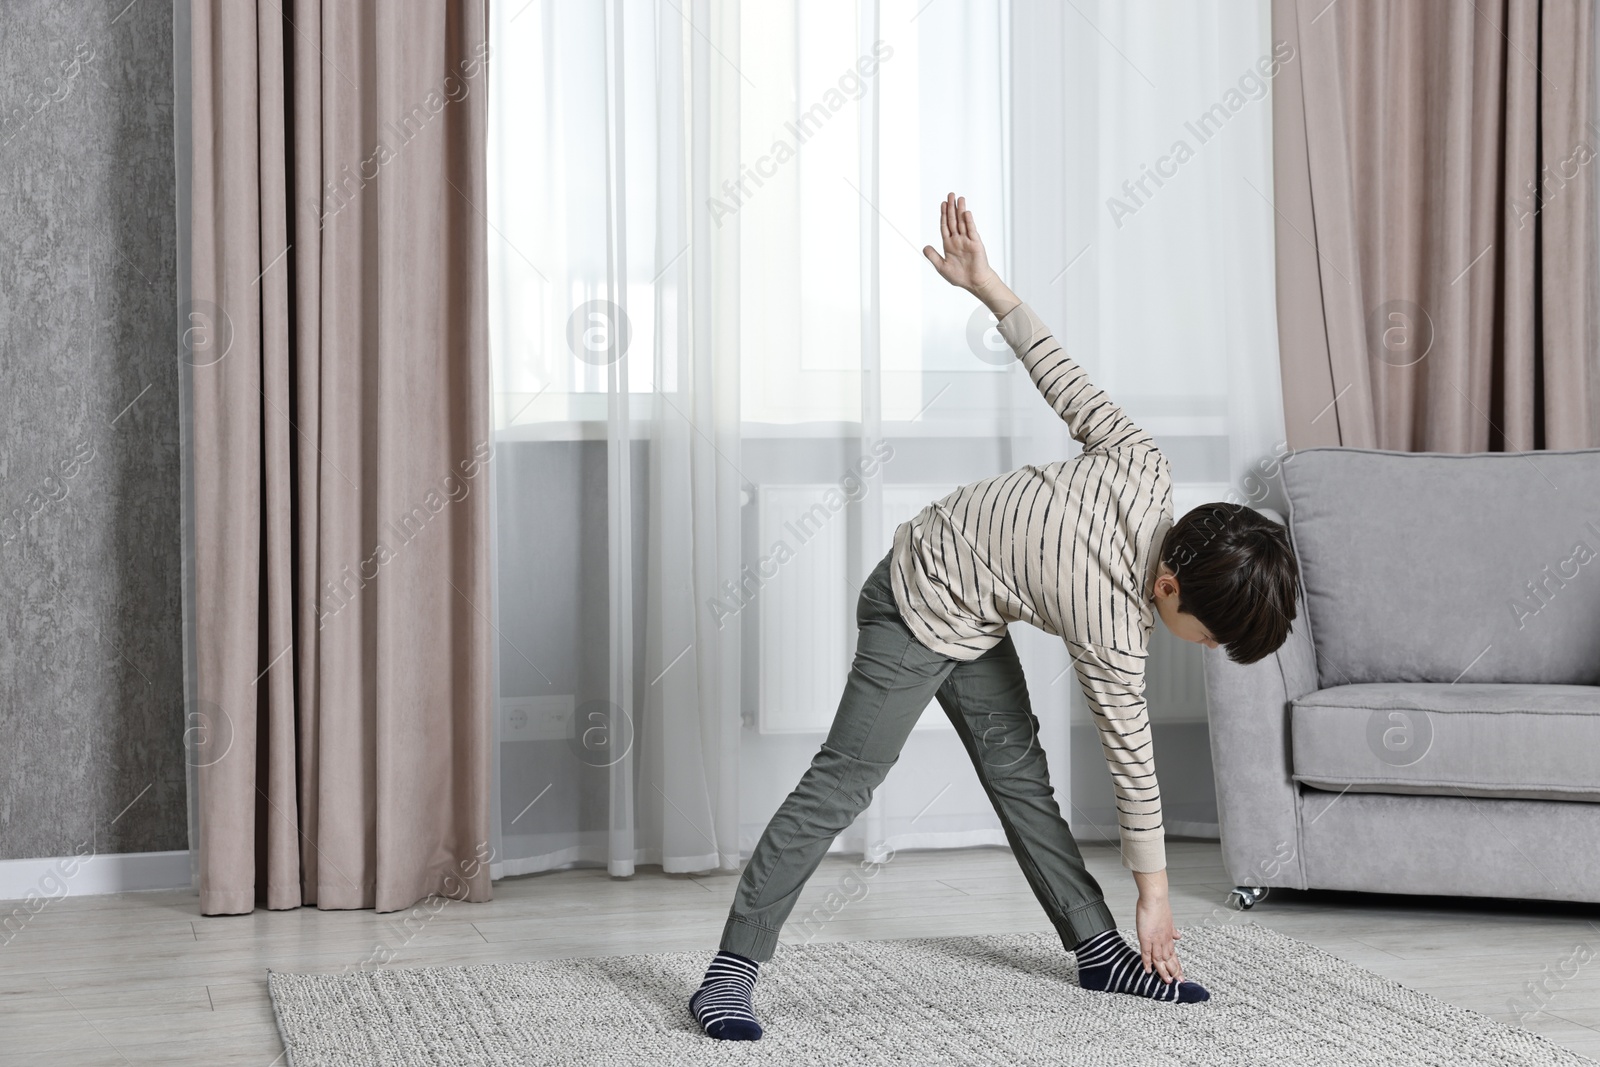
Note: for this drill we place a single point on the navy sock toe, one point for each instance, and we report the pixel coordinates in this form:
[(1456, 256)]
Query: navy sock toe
[(734, 1030)]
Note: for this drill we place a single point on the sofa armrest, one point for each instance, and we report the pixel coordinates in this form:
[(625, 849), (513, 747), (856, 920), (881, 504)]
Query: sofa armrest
[(1257, 800)]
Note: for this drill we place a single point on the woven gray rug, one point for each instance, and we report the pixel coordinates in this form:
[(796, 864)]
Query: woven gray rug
[(1009, 1000)]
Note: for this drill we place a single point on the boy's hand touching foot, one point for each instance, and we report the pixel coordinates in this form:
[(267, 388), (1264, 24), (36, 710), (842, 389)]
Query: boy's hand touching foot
[(1157, 936), (1107, 962)]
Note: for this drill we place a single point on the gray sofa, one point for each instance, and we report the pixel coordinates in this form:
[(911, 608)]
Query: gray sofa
[(1432, 724)]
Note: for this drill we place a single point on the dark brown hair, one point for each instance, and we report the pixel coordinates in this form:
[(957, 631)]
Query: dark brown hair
[(1237, 575)]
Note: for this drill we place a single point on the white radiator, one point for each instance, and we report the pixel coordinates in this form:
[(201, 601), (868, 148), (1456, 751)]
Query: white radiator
[(807, 605), (805, 646)]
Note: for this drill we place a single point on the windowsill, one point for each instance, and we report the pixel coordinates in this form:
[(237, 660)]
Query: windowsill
[(961, 429), (596, 430)]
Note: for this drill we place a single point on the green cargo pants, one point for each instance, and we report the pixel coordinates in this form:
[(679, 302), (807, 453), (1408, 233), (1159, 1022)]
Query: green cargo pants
[(890, 683)]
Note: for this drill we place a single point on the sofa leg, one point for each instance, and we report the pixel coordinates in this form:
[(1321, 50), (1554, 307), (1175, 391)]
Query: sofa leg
[(1245, 897)]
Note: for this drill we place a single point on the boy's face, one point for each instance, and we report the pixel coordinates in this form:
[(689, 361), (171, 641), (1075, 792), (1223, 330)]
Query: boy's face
[(1180, 623)]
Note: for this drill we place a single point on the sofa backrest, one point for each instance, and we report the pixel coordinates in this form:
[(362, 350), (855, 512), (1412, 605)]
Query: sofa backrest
[(1431, 567)]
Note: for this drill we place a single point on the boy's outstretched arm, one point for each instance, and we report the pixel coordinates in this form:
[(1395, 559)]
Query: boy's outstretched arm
[(1094, 420)]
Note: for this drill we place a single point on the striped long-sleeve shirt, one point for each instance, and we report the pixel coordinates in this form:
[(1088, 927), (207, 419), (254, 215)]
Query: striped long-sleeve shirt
[(1071, 547)]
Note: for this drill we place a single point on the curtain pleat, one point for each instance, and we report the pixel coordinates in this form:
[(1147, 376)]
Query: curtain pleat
[(341, 453), (1433, 167)]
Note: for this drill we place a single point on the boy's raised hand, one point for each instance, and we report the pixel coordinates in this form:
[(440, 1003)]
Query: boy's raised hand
[(964, 262)]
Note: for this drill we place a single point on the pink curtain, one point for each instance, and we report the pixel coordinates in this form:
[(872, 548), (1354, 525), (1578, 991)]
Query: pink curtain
[(1434, 165), (341, 438)]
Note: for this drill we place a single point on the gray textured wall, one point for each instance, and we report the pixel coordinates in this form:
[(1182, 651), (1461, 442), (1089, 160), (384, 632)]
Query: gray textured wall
[(91, 658)]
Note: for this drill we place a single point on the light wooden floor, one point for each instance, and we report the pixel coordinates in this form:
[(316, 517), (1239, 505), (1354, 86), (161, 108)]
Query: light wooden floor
[(144, 979)]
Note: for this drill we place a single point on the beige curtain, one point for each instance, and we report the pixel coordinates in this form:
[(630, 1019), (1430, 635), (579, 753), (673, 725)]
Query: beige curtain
[(1434, 166), (340, 448)]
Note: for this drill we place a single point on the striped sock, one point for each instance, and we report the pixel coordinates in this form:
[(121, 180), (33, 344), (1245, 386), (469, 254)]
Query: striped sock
[(722, 1003), (1106, 962)]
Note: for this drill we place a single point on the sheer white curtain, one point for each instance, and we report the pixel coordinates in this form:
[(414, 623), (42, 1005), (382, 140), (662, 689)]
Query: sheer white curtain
[(617, 468), (725, 372)]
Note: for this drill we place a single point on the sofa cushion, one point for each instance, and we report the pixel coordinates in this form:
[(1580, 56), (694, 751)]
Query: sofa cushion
[(1424, 567), (1526, 741)]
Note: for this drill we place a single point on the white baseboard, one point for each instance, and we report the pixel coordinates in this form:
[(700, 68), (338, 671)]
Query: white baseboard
[(91, 875)]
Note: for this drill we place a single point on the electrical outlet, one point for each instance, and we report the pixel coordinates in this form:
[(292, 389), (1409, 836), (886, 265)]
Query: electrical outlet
[(536, 718)]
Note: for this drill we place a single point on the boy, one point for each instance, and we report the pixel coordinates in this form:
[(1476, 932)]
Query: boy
[(1084, 549)]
